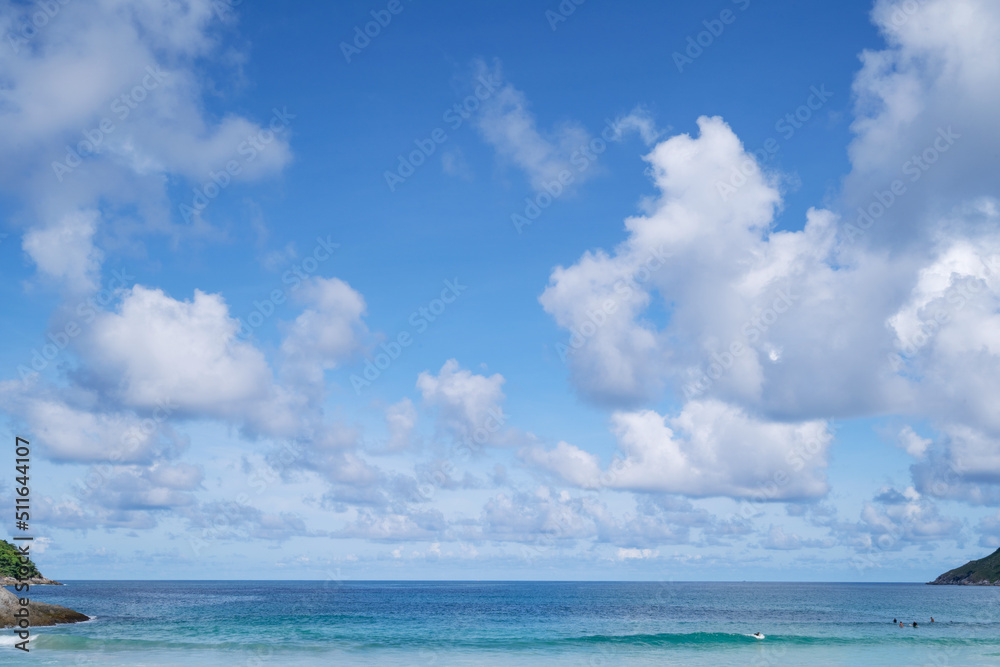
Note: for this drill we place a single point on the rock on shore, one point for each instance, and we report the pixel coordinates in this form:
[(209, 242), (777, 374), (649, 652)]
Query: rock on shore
[(34, 581), (41, 613)]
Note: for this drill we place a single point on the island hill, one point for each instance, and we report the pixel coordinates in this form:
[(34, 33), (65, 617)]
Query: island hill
[(982, 572), (41, 613)]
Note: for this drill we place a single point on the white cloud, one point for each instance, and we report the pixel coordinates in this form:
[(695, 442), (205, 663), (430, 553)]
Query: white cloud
[(638, 120), (899, 519), (709, 449), (913, 444), (778, 539), (507, 124), (754, 315), (156, 349), (117, 82), (937, 72), (400, 419), (65, 250), (327, 333), (71, 428), (637, 554), (469, 405)]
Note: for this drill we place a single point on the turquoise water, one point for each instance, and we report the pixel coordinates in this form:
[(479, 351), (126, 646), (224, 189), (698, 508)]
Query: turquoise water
[(255, 623)]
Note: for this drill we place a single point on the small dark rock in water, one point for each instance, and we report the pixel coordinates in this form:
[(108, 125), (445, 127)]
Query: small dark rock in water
[(41, 613)]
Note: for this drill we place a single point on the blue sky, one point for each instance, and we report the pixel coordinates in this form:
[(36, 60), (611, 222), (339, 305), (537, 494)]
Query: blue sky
[(620, 312)]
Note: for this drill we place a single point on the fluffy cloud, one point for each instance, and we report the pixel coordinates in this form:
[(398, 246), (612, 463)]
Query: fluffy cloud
[(156, 348), (709, 449), (328, 332), (914, 445), (937, 73), (72, 427), (469, 406), (756, 315), (116, 82), (65, 250), (898, 519)]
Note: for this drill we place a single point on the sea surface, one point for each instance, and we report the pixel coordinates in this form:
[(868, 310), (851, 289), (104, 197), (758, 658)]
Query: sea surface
[(253, 623)]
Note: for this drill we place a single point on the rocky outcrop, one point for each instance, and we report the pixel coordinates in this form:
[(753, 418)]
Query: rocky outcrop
[(982, 572), (33, 581), (40, 613)]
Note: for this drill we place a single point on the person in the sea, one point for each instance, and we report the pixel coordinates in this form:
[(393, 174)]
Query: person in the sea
[(914, 624), (932, 619), (756, 634), (895, 621), (900, 624)]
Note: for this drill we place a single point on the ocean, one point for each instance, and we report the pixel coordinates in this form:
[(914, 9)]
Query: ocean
[(388, 623)]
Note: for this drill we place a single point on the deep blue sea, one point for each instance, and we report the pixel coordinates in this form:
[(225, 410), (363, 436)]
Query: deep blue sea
[(254, 623)]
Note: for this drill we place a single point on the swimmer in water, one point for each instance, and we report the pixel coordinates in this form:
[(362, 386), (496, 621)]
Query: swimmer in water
[(895, 621), (914, 624), (900, 624), (756, 634), (932, 619)]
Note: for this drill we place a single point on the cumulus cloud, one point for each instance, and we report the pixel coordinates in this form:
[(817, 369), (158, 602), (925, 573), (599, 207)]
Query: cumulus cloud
[(709, 449), (72, 427), (156, 348), (65, 250), (754, 315), (327, 333), (469, 406), (896, 519), (936, 74), (913, 444)]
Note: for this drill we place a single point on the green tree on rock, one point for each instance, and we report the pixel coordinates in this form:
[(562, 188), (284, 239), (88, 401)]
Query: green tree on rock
[(10, 562)]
